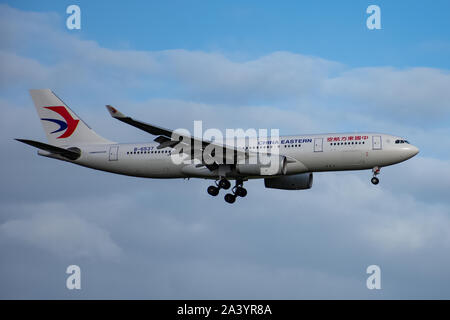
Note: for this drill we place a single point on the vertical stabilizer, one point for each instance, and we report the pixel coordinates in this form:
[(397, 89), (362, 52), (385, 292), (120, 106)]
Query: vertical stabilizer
[(61, 125)]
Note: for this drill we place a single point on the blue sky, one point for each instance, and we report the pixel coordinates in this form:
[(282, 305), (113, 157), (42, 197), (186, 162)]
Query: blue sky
[(415, 33), (301, 67)]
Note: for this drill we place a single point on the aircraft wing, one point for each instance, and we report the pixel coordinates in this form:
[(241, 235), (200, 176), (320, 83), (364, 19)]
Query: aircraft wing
[(167, 138)]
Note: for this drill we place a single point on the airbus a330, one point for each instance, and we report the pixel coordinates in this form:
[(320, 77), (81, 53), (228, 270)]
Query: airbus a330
[(297, 157)]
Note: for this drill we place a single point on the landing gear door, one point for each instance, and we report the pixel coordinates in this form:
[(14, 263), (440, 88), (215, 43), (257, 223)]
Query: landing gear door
[(318, 144), (113, 153), (376, 142)]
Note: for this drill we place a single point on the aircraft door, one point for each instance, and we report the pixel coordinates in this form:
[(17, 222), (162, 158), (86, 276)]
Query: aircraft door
[(113, 153), (376, 142), (318, 144)]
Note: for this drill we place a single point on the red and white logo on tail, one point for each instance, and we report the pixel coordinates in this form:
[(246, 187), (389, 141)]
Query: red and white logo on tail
[(61, 125), (68, 126)]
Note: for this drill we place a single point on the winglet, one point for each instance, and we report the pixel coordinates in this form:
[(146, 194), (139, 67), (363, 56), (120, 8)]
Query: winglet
[(114, 112)]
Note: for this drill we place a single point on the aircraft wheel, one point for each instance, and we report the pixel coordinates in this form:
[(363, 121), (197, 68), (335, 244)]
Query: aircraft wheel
[(224, 184), (213, 191), (241, 192), (230, 198), (375, 180)]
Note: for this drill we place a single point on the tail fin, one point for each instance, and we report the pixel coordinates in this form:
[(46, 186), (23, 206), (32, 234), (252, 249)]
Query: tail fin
[(61, 125)]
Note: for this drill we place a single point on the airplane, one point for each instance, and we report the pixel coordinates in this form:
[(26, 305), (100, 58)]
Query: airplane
[(298, 157)]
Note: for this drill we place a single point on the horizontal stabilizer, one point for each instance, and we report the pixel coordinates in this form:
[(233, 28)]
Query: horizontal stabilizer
[(71, 154)]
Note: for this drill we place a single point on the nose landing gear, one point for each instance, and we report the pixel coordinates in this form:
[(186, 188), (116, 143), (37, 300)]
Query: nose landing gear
[(376, 171)]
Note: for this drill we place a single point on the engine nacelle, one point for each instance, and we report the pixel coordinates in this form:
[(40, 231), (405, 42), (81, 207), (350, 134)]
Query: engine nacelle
[(300, 181), (277, 166)]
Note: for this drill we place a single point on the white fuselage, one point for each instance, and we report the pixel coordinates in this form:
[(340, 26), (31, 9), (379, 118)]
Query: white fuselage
[(307, 153)]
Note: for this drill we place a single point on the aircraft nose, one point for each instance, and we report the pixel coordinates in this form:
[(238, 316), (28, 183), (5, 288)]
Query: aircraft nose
[(411, 151)]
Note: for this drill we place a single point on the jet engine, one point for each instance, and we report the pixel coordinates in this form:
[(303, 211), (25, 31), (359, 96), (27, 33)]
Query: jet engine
[(300, 181)]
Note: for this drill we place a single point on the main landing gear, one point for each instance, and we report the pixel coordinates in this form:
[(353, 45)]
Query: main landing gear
[(221, 184), (376, 171), (237, 191)]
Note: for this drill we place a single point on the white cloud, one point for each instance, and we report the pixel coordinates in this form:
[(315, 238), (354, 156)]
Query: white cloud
[(425, 178), (410, 92), (414, 233), (269, 77), (63, 234), (16, 68), (385, 92)]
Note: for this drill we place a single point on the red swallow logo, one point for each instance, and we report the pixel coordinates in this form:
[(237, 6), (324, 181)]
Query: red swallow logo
[(70, 125)]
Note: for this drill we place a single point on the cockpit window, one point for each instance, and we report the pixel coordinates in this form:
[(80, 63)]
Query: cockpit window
[(401, 141)]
